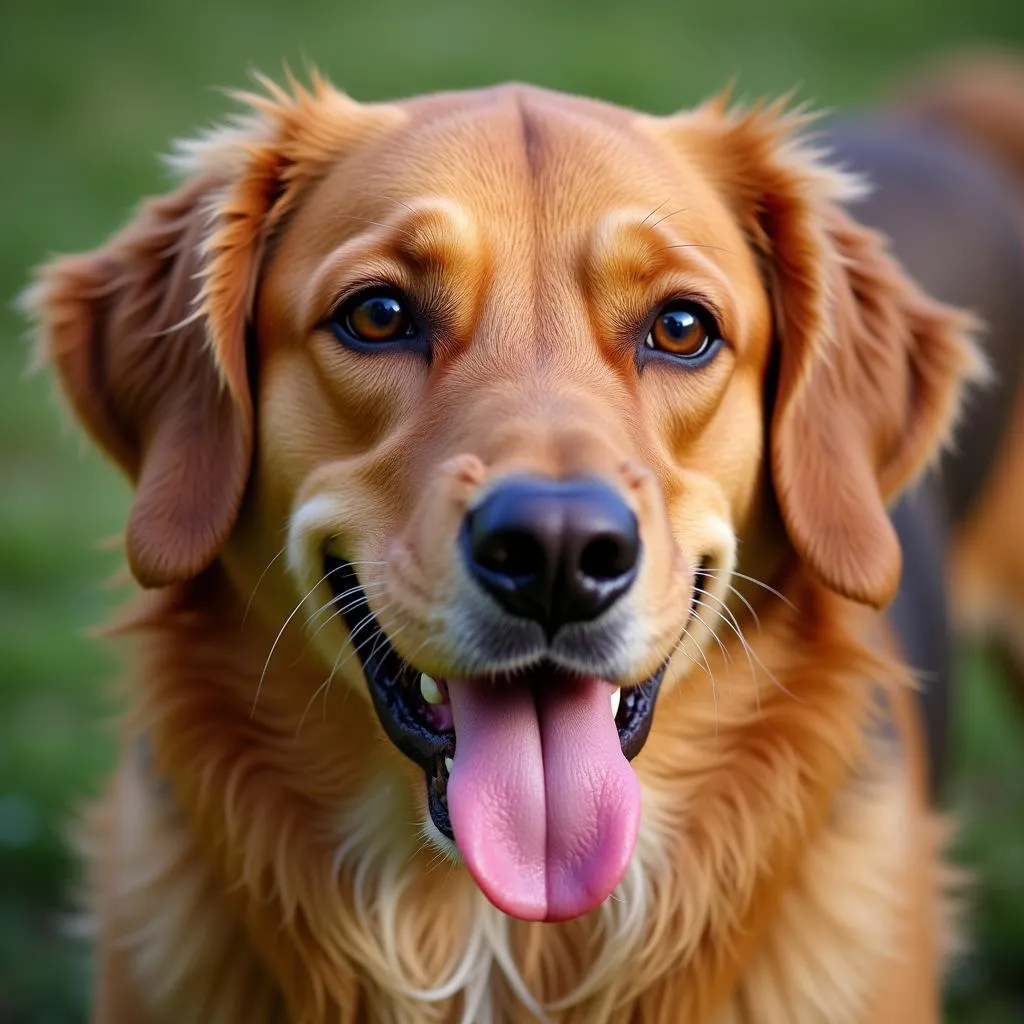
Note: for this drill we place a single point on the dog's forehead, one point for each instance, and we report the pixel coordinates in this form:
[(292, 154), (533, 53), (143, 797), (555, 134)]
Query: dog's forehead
[(516, 156), (522, 133), (540, 198)]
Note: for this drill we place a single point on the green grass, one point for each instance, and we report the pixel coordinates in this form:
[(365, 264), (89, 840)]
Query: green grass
[(93, 92)]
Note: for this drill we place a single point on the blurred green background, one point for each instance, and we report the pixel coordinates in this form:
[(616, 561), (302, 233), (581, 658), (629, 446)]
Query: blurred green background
[(93, 91)]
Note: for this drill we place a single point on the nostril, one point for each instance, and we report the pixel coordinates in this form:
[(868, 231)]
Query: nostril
[(605, 558), (510, 553), (554, 551)]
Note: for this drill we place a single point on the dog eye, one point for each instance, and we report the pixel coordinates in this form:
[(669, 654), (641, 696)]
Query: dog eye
[(374, 318), (684, 329)]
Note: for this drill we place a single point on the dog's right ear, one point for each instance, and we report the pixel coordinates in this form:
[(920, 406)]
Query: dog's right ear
[(122, 329), (148, 333)]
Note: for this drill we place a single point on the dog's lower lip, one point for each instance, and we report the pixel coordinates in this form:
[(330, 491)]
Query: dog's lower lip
[(394, 687)]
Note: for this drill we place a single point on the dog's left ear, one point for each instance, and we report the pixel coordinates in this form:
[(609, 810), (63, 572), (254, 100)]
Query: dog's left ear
[(870, 369)]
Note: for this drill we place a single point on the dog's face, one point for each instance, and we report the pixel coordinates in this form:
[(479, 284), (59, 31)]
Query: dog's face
[(526, 376), (519, 404)]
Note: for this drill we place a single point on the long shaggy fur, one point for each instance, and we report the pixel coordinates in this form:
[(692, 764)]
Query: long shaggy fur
[(260, 854)]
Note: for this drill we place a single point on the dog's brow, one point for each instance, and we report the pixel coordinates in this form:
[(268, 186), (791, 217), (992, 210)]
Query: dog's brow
[(630, 247), (438, 231), (624, 243), (435, 235)]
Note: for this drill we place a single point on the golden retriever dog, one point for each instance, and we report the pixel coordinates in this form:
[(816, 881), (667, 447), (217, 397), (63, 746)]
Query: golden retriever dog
[(511, 479)]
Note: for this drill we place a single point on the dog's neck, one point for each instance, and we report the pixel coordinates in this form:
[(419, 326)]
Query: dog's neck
[(304, 819)]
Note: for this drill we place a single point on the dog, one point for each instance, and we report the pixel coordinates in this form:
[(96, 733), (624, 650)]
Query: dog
[(950, 139), (511, 484), (976, 101)]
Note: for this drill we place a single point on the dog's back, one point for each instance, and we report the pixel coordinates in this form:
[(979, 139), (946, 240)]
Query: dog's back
[(947, 166)]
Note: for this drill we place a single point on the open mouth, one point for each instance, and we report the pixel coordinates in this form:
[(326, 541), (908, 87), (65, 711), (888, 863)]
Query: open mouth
[(480, 742)]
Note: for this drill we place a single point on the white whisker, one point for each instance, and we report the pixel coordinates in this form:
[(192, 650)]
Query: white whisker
[(324, 687), (384, 638), (280, 633), (687, 635), (734, 626), (360, 593), (756, 582), (747, 604), (390, 199), (252, 596), (714, 635), (756, 657), (356, 648)]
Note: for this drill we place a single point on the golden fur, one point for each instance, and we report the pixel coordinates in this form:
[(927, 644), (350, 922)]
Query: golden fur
[(980, 97), (272, 862)]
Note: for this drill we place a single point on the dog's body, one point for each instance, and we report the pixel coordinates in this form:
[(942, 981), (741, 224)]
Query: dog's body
[(975, 103), (264, 852), (955, 220)]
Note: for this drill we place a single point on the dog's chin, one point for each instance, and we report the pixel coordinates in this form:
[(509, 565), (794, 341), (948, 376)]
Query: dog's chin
[(547, 834)]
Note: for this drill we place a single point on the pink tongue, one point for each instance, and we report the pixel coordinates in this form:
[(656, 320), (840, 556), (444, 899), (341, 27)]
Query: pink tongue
[(544, 806)]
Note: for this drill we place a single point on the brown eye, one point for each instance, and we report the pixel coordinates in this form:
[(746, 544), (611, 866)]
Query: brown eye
[(374, 318), (684, 329)]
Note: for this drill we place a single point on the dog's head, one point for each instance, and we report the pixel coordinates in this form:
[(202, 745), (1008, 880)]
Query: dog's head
[(515, 375)]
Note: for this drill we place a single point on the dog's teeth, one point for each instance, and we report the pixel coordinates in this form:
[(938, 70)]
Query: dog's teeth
[(430, 690), (448, 762), (616, 695)]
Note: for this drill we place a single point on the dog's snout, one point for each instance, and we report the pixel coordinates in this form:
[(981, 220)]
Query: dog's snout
[(553, 551)]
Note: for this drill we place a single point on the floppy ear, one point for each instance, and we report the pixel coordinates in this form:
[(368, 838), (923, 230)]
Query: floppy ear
[(148, 333), (121, 328), (870, 369)]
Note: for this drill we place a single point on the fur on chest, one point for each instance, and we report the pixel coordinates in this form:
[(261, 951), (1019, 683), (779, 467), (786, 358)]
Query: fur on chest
[(835, 929)]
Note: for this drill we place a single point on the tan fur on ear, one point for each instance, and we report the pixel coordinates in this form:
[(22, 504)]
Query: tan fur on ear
[(148, 333), (870, 369), (857, 420), (289, 139), (119, 327)]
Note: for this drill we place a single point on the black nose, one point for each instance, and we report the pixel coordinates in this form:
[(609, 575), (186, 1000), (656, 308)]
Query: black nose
[(553, 551)]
